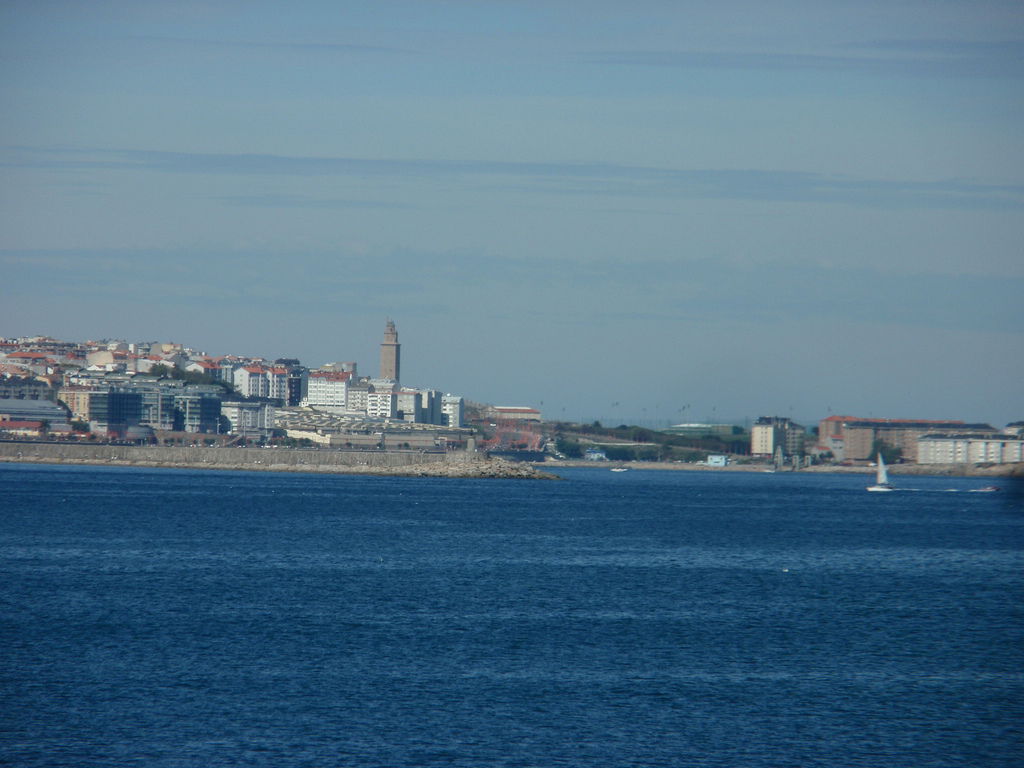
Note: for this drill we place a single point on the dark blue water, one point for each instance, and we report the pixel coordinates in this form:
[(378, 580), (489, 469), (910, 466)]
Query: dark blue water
[(176, 618)]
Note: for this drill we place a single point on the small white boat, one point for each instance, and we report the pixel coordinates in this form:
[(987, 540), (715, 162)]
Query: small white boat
[(620, 469), (881, 477)]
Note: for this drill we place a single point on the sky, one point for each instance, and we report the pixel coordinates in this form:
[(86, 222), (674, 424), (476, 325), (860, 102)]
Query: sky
[(645, 212)]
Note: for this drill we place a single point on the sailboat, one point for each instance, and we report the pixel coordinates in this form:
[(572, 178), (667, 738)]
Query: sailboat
[(881, 477)]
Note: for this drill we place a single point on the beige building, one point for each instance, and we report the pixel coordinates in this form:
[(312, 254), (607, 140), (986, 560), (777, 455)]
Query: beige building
[(514, 413), (859, 437), (771, 432), (852, 437), (76, 398)]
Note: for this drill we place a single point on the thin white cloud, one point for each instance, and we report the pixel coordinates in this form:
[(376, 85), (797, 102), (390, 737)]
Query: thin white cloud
[(911, 58), (593, 179)]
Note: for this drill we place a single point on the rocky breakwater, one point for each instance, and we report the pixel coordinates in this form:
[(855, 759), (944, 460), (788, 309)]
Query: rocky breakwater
[(390, 463), (477, 467)]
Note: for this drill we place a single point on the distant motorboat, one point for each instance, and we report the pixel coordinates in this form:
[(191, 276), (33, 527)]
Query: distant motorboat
[(620, 469), (986, 489), (881, 477)]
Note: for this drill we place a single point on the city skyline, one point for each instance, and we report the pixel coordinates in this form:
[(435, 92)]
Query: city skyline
[(134, 352), (787, 209)]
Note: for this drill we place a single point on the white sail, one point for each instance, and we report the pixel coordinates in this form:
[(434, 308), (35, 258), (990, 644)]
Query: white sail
[(881, 476)]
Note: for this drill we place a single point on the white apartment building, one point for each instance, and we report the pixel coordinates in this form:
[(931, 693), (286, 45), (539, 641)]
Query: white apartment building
[(358, 398), (381, 403), (453, 410), (277, 382), (327, 389), (254, 420), (205, 367), (251, 381), (964, 449), (257, 381)]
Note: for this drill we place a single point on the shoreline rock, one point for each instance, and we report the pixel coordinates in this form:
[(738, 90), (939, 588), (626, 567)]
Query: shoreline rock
[(409, 463), (470, 468)]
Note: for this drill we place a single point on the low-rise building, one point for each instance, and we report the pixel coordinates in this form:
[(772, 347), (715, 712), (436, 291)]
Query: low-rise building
[(253, 420), (36, 362), (700, 431), (17, 409), (21, 428), (25, 387), (206, 368), (514, 413)]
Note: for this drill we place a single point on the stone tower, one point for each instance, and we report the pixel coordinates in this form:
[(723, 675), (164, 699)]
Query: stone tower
[(390, 353)]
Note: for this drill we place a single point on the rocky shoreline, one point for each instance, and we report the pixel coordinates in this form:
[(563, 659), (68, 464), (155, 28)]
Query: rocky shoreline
[(458, 465), (405, 464)]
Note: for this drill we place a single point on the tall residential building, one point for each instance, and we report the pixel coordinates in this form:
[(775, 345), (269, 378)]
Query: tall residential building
[(772, 432), (390, 353), (327, 389), (410, 405), (453, 409), (382, 399)]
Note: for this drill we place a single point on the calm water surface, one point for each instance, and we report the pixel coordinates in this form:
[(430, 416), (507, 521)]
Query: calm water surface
[(179, 618)]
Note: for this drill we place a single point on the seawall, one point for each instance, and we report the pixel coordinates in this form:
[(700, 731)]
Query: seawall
[(396, 463)]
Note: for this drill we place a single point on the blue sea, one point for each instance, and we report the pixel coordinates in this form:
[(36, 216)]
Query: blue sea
[(186, 618)]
